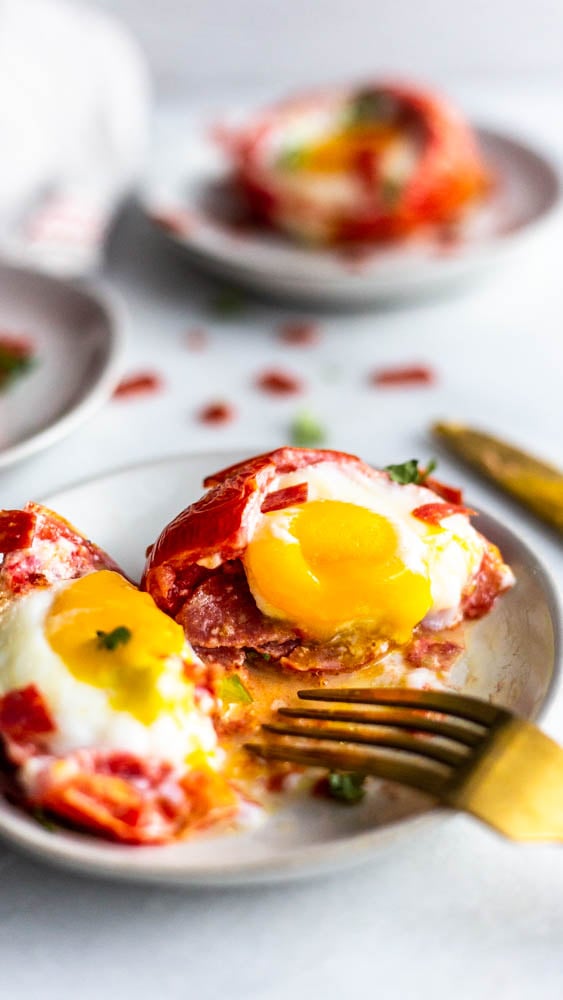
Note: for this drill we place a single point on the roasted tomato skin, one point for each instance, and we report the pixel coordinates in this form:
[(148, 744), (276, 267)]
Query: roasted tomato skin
[(216, 528)]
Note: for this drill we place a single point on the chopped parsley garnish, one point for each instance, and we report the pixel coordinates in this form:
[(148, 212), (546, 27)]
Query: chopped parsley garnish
[(41, 817), (231, 689), (117, 637), (256, 659), (306, 431), (424, 473), (16, 358), (229, 302), (370, 106), (390, 191), (346, 787), (409, 472), (291, 158)]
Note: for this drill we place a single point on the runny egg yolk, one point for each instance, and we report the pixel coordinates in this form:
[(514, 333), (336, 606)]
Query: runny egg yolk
[(338, 569), (142, 673)]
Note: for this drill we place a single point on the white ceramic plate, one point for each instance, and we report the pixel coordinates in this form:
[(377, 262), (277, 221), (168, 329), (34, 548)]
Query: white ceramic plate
[(77, 338), (188, 181), (511, 656)]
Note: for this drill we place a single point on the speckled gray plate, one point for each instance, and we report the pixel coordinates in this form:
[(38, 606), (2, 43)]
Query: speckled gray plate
[(511, 657)]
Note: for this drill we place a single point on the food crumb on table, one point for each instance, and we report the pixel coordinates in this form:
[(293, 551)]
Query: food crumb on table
[(138, 384), (403, 375), (219, 412), (278, 382)]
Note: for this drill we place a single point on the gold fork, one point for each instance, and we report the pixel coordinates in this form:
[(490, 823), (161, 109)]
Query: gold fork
[(469, 754)]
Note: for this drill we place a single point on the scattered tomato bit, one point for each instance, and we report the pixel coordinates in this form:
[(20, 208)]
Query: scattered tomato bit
[(449, 237), (449, 493), (217, 413), (141, 384), (278, 382), (17, 356), (196, 339), (300, 333), (488, 585), (433, 513), (224, 135), (24, 714), (357, 258), (177, 221), (433, 652), (407, 375)]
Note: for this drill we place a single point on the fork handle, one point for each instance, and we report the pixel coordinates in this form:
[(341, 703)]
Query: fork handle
[(517, 786)]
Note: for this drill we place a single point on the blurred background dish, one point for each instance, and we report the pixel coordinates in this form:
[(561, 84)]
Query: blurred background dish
[(360, 165), (190, 196), (60, 346)]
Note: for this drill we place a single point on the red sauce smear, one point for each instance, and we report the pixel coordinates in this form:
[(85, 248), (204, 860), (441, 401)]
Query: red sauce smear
[(217, 413), (196, 339), (406, 375), (300, 333), (285, 498), (279, 383), (141, 384), (433, 513)]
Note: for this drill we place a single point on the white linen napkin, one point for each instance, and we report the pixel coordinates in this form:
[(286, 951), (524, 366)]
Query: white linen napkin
[(74, 104)]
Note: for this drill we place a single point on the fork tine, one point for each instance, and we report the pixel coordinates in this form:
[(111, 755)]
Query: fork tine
[(387, 716), (462, 706), (426, 778), (389, 740)]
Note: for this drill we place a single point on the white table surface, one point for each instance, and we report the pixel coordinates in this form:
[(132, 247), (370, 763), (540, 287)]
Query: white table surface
[(459, 914)]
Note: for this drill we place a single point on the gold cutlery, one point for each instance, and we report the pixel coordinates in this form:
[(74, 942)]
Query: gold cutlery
[(469, 754), (536, 484)]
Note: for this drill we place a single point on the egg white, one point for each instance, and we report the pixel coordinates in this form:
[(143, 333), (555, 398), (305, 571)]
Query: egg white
[(82, 713), (448, 559)]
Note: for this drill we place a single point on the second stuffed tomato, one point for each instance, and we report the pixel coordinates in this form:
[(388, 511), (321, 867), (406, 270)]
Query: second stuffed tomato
[(365, 165), (313, 560)]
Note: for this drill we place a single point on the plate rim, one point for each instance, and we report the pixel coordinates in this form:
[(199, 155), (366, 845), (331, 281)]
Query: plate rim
[(114, 309), (85, 856), (358, 282)]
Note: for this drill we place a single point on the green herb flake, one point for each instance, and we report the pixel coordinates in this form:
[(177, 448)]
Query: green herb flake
[(306, 431), (117, 637), (370, 107), (228, 302), (407, 472), (231, 689), (346, 787), (41, 817), (391, 191), (291, 159), (423, 475), (14, 362)]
